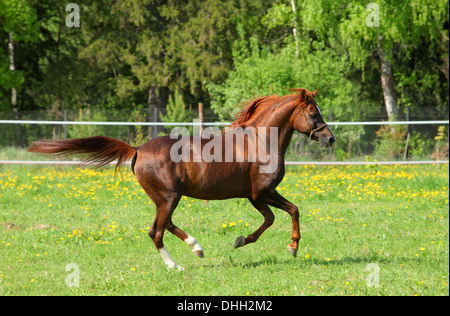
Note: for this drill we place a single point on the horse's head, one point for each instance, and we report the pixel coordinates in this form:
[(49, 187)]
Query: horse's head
[(307, 119)]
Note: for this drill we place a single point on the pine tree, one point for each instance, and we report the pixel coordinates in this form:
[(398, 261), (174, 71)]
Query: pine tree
[(176, 110)]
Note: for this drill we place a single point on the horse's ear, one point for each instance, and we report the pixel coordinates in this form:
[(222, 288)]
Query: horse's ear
[(315, 92), (300, 91)]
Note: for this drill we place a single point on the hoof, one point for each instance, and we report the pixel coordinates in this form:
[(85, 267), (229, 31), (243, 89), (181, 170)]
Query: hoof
[(239, 242), (198, 253), (292, 251), (175, 267)]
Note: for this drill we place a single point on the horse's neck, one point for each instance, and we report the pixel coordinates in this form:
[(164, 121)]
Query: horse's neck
[(279, 119), (284, 138)]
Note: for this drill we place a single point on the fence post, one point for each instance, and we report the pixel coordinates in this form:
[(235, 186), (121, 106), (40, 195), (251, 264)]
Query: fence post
[(200, 117), (408, 134), (65, 125), (330, 149), (155, 128)]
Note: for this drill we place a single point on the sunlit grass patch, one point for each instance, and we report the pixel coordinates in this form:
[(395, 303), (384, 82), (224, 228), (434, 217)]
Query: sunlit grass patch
[(394, 218)]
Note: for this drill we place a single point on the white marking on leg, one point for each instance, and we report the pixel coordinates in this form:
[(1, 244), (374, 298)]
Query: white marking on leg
[(193, 243), (171, 264)]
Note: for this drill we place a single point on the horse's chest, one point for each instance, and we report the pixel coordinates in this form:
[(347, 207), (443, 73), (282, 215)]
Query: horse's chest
[(277, 179), (268, 181)]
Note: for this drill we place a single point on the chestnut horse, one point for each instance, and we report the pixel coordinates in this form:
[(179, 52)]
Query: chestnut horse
[(166, 179)]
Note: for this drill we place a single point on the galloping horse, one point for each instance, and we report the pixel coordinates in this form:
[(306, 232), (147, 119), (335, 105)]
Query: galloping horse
[(166, 178)]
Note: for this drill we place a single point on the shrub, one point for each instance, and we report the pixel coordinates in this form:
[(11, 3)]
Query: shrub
[(390, 142)]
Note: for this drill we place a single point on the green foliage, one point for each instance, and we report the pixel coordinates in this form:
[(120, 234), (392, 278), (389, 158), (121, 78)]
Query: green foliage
[(401, 23), (139, 136), (419, 146), (258, 71), (351, 138), (166, 44), (17, 17), (441, 146), (82, 131), (221, 53), (176, 111), (411, 33), (390, 143)]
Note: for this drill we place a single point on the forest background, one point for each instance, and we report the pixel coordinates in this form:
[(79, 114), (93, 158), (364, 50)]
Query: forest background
[(123, 59)]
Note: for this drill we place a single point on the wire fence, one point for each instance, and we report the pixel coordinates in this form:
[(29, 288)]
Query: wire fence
[(357, 142)]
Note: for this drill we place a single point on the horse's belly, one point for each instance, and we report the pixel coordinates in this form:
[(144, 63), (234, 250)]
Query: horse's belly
[(217, 181), (217, 193)]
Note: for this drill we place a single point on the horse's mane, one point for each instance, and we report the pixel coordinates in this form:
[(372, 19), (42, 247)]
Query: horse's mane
[(249, 109), (254, 108)]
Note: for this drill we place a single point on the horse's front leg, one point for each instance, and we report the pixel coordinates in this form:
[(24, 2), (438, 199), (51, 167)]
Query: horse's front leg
[(273, 198), (268, 221)]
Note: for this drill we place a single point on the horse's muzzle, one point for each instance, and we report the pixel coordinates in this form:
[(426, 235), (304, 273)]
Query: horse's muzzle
[(327, 142), (331, 141), (326, 137)]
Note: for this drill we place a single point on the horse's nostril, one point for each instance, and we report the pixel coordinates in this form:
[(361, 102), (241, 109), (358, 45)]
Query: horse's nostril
[(331, 140)]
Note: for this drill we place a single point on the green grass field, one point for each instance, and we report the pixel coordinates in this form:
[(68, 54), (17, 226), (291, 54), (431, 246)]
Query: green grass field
[(378, 230)]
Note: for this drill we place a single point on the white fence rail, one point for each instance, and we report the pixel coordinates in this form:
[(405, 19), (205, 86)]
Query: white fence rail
[(208, 123), (198, 123)]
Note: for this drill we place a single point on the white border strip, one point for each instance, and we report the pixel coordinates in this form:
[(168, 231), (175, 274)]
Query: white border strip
[(207, 123), (295, 163)]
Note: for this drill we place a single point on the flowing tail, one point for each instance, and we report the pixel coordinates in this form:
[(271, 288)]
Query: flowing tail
[(99, 150)]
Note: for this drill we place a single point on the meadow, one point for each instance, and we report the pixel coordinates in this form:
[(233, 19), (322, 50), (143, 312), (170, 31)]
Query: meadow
[(366, 230)]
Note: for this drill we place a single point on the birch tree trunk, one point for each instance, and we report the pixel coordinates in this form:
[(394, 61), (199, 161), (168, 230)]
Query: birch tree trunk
[(295, 28), (387, 83), (12, 67)]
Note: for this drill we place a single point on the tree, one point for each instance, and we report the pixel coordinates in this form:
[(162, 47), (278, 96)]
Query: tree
[(18, 22), (222, 52), (58, 76), (261, 72), (188, 44), (392, 31), (176, 110)]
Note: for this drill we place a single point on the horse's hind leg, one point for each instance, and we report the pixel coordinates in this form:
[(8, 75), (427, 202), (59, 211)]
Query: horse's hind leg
[(268, 221), (162, 222), (188, 239)]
